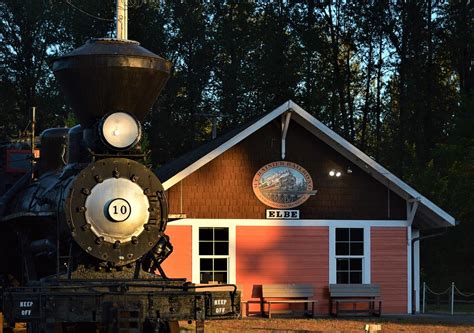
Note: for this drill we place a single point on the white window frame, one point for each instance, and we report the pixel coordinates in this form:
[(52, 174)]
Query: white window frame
[(196, 262), (366, 272), (215, 256)]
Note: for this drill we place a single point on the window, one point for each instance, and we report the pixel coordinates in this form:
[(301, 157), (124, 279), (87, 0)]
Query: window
[(349, 255), (213, 255)]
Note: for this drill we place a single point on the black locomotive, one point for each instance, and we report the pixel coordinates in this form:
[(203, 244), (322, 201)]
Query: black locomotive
[(83, 234)]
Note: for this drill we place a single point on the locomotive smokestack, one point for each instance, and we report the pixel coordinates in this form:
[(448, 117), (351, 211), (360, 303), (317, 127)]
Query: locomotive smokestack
[(111, 75)]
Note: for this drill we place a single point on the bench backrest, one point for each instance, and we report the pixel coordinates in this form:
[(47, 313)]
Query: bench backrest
[(287, 290), (354, 290)]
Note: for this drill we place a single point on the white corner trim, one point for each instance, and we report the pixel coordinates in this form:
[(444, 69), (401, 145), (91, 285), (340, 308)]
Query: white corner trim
[(409, 288), (332, 255), (416, 249)]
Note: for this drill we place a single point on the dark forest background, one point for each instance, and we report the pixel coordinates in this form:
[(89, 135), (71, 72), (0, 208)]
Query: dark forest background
[(395, 78)]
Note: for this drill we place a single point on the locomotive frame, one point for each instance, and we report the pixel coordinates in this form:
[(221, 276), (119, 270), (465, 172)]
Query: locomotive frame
[(117, 306), (85, 230)]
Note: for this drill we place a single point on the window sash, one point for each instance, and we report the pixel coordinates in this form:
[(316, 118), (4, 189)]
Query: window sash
[(211, 243), (346, 244), (347, 273), (212, 272)]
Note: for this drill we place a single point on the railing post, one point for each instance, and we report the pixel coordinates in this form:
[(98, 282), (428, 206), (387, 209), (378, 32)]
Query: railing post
[(452, 298), (424, 296)]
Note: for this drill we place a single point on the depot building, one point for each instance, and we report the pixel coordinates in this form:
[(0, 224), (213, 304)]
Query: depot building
[(284, 199)]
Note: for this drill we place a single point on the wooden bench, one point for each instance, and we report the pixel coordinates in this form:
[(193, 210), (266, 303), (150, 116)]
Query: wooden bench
[(353, 294), (285, 294)]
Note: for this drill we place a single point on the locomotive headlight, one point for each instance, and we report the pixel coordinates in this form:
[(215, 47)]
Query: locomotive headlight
[(120, 130)]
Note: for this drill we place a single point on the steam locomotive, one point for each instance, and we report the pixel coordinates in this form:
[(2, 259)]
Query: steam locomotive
[(82, 236)]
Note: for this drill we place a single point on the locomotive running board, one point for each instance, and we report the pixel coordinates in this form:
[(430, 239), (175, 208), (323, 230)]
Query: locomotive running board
[(139, 301)]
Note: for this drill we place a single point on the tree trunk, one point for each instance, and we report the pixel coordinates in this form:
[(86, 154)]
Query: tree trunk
[(350, 104), (337, 76), (365, 112), (402, 96), (378, 107)]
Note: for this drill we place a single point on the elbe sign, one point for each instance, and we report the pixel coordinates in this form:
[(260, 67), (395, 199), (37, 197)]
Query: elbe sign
[(284, 214)]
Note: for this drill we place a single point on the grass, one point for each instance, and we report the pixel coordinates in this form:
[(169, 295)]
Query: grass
[(263, 325)]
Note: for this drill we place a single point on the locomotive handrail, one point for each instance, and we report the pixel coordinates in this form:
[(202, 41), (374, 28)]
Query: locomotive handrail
[(121, 154), (124, 283)]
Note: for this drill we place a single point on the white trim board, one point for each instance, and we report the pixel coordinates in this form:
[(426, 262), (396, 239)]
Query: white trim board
[(195, 265), (416, 249), (409, 271), (225, 146), (435, 213), (290, 223)]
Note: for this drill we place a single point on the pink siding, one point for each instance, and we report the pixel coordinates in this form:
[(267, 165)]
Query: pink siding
[(283, 255), (178, 264), (389, 267)]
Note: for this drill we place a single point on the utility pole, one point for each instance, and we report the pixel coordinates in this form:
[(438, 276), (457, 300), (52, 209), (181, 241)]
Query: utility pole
[(122, 19), (33, 125)]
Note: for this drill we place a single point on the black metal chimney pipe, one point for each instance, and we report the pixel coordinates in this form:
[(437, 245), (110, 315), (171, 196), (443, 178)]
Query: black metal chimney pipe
[(109, 75)]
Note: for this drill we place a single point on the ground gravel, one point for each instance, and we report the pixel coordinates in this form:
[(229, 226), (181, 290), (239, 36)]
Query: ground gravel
[(263, 325)]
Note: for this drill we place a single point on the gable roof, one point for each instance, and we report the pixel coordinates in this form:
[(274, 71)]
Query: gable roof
[(428, 215)]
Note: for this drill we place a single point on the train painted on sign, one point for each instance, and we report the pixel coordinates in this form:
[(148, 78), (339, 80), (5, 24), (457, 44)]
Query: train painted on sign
[(83, 234)]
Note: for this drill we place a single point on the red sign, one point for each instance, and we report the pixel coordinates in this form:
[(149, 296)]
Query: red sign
[(19, 160)]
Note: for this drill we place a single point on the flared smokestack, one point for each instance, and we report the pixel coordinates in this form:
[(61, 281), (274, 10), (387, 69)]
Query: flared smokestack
[(110, 75)]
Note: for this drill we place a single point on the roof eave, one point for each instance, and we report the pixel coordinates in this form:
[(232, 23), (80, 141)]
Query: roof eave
[(438, 216), (226, 145)]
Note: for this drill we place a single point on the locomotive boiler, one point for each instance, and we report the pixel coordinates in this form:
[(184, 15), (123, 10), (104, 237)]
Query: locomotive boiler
[(83, 234)]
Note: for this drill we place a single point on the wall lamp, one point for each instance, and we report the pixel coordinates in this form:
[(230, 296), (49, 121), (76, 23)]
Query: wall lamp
[(335, 173)]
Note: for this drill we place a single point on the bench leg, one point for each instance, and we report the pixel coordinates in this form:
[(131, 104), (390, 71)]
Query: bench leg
[(269, 310), (337, 309), (312, 310)]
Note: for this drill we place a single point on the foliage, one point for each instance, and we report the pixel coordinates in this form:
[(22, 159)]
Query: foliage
[(393, 77)]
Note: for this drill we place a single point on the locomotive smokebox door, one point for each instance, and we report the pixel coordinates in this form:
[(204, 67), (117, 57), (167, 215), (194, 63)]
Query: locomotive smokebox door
[(116, 210)]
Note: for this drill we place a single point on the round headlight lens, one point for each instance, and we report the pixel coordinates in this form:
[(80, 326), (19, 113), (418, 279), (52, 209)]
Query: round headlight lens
[(120, 130)]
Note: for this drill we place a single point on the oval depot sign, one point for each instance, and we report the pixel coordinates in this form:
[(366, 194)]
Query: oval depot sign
[(282, 184)]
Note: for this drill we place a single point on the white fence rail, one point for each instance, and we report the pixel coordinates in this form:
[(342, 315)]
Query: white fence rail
[(451, 300)]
